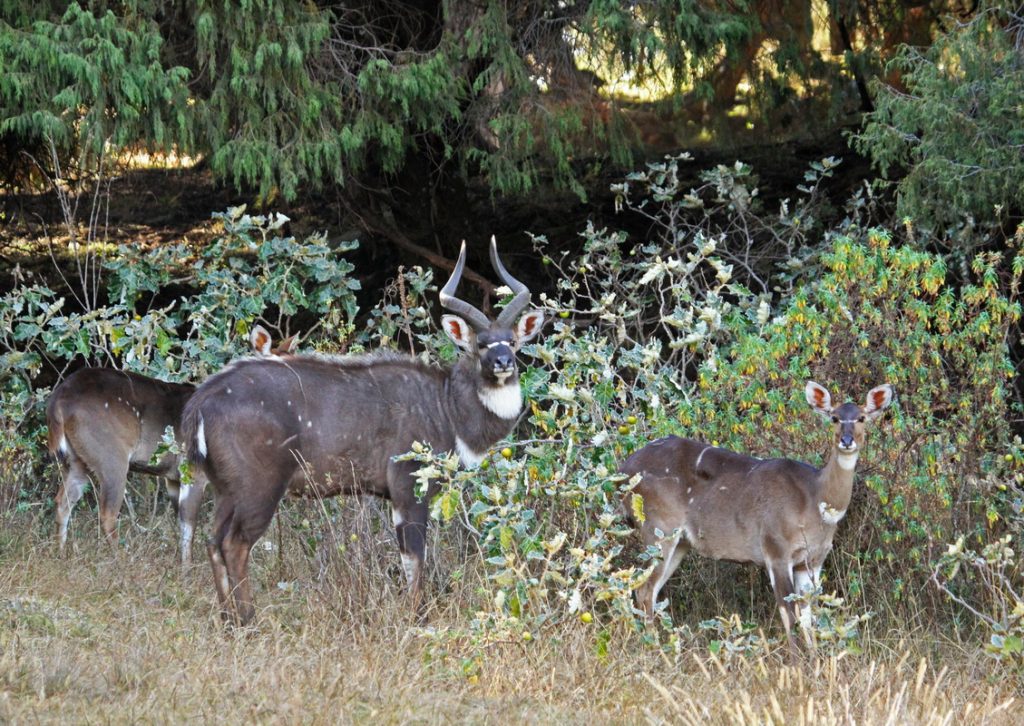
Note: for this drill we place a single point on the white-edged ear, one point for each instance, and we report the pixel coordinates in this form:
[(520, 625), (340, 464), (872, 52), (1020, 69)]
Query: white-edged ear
[(819, 398), (529, 325), (878, 400), (259, 338), (458, 330)]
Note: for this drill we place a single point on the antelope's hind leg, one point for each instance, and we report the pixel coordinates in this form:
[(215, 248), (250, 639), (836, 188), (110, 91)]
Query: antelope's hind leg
[(221, 521), (190, 499), (75, 478)]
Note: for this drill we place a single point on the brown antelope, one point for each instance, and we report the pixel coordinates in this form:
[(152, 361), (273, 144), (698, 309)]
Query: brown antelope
[(322, 426), (104, 423), (777, 513)]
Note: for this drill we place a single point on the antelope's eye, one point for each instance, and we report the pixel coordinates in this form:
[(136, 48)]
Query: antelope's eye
[(835, 419), (861, 419)]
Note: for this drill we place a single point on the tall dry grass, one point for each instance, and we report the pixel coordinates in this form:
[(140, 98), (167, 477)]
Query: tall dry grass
[(121, 635)]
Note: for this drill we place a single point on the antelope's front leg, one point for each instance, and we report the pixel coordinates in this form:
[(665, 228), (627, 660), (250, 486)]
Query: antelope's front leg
[(410, 518)]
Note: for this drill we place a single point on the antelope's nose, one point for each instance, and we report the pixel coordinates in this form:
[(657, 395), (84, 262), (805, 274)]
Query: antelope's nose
[(503, 360), (846, 441)]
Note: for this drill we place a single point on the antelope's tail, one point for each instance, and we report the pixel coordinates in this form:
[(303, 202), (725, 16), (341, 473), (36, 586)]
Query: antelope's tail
[(193, 431), (56, 442)]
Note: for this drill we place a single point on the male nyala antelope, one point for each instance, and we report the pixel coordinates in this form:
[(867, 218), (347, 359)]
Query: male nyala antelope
[(322, 426), (104, 423), (777, 513)]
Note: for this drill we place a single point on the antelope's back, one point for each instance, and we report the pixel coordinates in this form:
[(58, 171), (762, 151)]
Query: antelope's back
[(116, 403), (341, 417), (687, 475)]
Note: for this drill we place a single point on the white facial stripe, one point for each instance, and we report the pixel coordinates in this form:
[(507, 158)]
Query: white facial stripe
[(496, 343)]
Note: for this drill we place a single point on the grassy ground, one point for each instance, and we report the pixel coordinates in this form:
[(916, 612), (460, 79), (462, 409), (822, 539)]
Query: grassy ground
[(121, 635)]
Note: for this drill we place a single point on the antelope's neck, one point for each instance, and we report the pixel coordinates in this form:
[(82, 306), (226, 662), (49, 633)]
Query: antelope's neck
[(836, 480), (481, 415)]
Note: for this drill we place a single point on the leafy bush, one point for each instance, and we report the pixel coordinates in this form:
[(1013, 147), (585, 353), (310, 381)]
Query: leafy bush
[(237, 279), (648, 338), (957, 129), (620, 374), (883, 313)]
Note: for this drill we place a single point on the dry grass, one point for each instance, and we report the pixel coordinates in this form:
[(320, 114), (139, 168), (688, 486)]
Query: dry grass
[(118, 636)]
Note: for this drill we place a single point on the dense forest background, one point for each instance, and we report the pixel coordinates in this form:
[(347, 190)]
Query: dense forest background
[(713, 201)]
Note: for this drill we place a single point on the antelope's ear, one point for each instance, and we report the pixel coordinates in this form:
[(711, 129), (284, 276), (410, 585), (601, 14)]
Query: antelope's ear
[(818, 397), (529, 325), (259, 338), (878, 400), (458, 330), (289, 345)]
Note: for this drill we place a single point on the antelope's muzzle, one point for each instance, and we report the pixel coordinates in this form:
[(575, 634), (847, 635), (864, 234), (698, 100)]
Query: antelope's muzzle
[(502, 361)]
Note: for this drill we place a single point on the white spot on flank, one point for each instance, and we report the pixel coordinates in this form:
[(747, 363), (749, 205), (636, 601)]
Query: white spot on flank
[(469, 458), (847, 462), (830, 515), (106, 405), (505, 402), (722, 489), (691, 501), (229, 390), (201, 436), (62, 446)]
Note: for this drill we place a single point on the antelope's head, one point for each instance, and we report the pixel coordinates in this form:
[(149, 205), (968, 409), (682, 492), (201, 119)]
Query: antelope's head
[(493, 342), (850, 420)]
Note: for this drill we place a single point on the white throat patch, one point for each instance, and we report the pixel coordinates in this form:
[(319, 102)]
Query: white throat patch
[(830, 515), (469, 458), (847, 462), (504, 402)]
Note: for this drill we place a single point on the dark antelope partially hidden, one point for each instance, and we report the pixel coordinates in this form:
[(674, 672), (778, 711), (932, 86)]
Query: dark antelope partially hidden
[(777, 513), (104, 423), (322, 426)]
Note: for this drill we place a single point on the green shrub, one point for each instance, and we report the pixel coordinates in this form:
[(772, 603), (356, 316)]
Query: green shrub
[(956, 130), (248, 272)]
